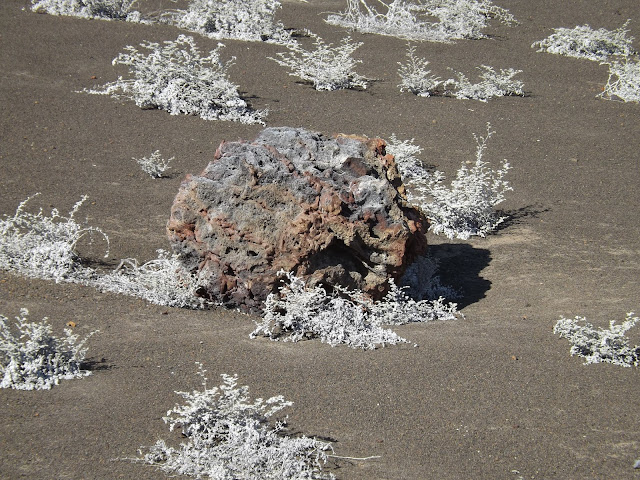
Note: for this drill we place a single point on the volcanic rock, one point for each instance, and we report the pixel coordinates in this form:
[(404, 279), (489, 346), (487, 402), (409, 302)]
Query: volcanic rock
[(329, 210)]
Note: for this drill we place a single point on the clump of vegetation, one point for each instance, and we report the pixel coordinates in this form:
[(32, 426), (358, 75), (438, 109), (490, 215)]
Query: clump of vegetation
[(584, 42), (44, 247), (465, 208), (102, 9), (456, 19), (417, 79), (155, 165), (344, 317), (250, 20), (624, 81), (326, 67), (229, 436), (597, 345), (40, 246), (34, 358), (162, 281), (492, 84), (176, 78)]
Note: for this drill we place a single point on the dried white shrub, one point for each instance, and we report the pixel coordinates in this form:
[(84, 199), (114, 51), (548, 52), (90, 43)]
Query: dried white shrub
[(162, 281), (343, 317), (250, 20), (228, 437), (457, 19), (326, 67), (101, 9), (176, 78), (467, 207), (597, 345), (155, 165), (34, 358), (492, 84), (38, 246), (416, 77), (584, 42), (624, 81)]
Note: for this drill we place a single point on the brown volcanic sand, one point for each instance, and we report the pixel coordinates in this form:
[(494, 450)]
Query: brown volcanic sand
[(483, 397)]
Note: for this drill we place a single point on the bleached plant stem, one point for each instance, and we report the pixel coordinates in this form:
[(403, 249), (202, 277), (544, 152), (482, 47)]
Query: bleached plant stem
[(623, 82)]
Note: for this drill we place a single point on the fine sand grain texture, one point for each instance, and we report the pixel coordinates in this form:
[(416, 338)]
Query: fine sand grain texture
[(495, 395)]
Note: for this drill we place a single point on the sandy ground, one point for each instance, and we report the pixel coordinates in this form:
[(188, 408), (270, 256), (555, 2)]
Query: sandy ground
[(492, 396)]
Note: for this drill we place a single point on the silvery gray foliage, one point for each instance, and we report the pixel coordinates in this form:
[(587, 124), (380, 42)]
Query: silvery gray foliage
[(326, 67), (155, 165), (38, 246), (624, 81), (344, 316), (597, 345), (250, 20), (230, 437), (176, 78), (456, 19), (34, 358), (162, 281), (42, 246), (467, 207), (492, 84), (102, 9), (417, 79), (584, 42)]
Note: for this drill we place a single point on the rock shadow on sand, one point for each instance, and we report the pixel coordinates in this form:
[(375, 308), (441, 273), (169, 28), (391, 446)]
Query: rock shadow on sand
[(459, 267)]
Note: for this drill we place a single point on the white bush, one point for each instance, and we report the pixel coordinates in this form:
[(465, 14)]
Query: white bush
[(102, 9), (597, 345), (346, 317), (492, 84), (251, 20), (163, 281), (38, 246), (467, 207), (34, 358), (584, 42), (230, 437), (175, 78), (326, 67), (416, 77), (457, 19), (155, 165), (624, 81)]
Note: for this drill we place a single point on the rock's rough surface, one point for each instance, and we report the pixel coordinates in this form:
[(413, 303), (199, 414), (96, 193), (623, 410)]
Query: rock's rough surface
[(330, 210)]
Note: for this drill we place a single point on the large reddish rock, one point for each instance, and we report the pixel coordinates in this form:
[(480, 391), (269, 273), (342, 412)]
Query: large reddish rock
[(330, 210)]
